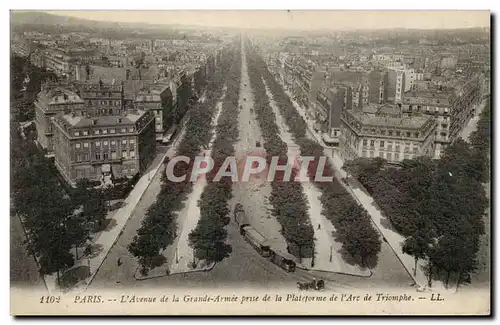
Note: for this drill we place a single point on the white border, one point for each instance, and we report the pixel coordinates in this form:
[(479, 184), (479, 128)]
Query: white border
[(215, 4)]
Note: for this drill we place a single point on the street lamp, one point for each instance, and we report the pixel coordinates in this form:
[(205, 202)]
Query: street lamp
[(176, 255), (330, 253)]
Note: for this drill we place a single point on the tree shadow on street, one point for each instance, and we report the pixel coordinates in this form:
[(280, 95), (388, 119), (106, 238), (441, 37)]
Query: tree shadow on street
[(158, 260), (386, 223), (371, 262), (117, 205), (95, 249), (107, 225), (72, 276)]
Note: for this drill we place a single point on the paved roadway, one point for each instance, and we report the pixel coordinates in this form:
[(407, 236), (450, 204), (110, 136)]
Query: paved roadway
[(245, 267)]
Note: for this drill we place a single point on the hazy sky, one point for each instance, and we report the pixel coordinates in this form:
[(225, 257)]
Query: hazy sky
[(333, 20)]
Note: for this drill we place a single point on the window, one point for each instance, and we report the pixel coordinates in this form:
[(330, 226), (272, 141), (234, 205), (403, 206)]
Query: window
[(124, 130), (111, 130), (363, 154), (105, 143), (365, 142), (132, 141), (124, 153), (407, 156), (372, 154), (86, 157), (372, 143), (335, 133), (113, 154), (381, 154), (398, 133), (97, 131), (132, 153), (389, 156), (382, 144), (97, 156), (408, 134), (106, 156), (85, 133), (390, 133), (131, 130), (443, 134), (124, 142), (444, 126), (113, 142), (382, 132), (396, 156), (77, 146), (104, 131), (85, 144), (77, 134), (78, 158)]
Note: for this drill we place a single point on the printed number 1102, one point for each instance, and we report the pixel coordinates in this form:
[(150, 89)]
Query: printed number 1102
[(50, 299)]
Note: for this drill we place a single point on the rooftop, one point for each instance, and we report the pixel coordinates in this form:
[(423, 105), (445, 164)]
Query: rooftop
[(79, 121), (414, 122)]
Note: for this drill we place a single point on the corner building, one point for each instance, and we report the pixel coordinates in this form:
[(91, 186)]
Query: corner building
[(393, 137), (89, 147)]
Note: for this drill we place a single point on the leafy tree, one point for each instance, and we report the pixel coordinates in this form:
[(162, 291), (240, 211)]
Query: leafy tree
[(158, 228), (417, 246)]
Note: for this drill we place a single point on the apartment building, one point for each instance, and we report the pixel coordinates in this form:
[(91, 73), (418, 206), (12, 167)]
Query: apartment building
[(396, 85), (391, 136), (437, 106), (329, 103), (158, 98), (53, 99), (93, 146)]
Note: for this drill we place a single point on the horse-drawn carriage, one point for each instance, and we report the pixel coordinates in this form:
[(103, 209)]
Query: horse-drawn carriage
[(314, 285)]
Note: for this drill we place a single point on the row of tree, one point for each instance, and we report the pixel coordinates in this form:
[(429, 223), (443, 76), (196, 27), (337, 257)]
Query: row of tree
[(55, 220), (208, 239), (437, 205), (26, 80), (352, 223), (288, 199), (159, 227), (480, 140)]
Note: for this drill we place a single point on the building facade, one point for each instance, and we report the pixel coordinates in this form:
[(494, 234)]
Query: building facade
[(53, 99), (392, 137), (93, 147), (158, 99)]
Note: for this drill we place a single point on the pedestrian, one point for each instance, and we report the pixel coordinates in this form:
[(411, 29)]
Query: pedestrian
[(319, 226), (119, 262)]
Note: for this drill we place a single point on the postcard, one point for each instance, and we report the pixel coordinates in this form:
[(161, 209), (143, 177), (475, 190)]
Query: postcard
[(250, 162)]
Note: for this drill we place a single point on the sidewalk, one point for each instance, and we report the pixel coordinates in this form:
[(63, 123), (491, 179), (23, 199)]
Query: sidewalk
[(179, 256), (394, 239), (105, 242), (327, 253), (472, 124)]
